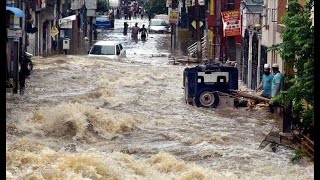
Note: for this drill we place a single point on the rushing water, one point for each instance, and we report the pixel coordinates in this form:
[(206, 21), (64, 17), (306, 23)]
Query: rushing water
[(86, 118)]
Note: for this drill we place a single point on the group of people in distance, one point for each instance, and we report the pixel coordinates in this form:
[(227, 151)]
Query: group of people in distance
[(135, 31)]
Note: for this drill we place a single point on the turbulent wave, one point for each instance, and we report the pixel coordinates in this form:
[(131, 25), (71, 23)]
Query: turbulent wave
[(79, 121), (92, 164)]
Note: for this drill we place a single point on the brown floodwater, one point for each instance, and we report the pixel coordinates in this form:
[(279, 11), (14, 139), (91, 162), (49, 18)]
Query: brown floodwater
[(94, 118)]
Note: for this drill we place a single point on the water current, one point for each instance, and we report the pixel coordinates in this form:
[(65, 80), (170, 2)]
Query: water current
[(94, 118)]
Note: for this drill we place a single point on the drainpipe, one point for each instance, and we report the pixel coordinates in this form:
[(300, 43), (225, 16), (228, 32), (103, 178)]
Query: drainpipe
[(55, 19), (259, 58), (250, 60)]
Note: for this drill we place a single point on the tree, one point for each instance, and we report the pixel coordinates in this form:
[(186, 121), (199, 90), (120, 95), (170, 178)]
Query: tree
[(297, 50), (156, 7), (102, 5)]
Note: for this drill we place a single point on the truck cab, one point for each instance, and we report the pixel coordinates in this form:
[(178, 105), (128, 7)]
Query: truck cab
[(202, 84)]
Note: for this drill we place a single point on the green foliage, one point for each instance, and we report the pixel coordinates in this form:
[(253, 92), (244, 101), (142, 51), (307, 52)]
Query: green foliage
[(102, 5), (297, 49), (156, 7), (299, 154)]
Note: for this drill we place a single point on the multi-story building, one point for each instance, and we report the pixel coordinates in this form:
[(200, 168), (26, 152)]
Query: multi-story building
[(15, 30), (222, 47)]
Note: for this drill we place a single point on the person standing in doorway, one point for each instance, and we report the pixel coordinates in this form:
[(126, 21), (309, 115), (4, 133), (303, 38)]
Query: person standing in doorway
[(267, 78)]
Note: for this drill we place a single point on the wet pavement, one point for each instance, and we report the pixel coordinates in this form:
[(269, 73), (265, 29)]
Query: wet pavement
[(92, 118)]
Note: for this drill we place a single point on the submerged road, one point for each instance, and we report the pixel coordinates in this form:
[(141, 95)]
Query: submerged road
[(92, 118)]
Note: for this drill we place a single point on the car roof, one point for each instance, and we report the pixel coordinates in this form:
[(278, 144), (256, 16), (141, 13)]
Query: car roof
[(107, 43), (157, 20), (164, 15), (103, 16)]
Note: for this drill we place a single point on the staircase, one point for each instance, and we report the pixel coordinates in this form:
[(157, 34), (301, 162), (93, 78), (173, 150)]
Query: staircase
[(192, 50)]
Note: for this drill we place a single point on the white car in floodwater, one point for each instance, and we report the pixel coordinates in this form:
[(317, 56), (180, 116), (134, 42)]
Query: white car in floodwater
[(158, 26), (108, 49)]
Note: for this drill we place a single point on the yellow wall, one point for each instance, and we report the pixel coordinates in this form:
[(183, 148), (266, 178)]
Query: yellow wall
[(211, 34)]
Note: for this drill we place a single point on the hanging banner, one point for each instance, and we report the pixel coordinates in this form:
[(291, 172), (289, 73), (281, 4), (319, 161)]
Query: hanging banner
[(231, 23)]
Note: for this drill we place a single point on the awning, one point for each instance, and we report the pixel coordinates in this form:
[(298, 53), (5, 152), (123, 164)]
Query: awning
[(18, 12), (70, 18), (67, 22)]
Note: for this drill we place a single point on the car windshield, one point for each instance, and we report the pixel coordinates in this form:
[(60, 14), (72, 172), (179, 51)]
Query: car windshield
[(102, 50), (157, 23), (162, 17)]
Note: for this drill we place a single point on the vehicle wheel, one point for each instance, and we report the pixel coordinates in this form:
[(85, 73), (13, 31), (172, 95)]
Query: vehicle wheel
[(207, 98)]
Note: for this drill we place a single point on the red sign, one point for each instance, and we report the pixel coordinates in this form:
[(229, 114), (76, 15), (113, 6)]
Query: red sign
[(231, 23), (212, 21)]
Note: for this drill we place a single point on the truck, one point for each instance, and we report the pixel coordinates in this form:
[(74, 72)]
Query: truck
[(204, 84)]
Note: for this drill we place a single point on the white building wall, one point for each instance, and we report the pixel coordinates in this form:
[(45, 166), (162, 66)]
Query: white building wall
[(270, 36)]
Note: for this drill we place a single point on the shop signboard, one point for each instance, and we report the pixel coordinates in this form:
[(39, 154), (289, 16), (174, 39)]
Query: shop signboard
[(231, 23)]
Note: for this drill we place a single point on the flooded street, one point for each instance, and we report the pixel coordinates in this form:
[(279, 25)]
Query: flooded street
[(94, 118)]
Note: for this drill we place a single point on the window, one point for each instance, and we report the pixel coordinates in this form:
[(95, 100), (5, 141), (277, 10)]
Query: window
[(102, 50), (158, 23)]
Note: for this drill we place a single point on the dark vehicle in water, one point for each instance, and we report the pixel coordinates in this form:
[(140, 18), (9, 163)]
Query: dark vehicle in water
[(202, 84)]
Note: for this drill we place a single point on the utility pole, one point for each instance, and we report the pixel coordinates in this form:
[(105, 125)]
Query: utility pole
[(174, 5), (250, 60), (90, 30), (55, 17), (199, 46), (18, 47), (216, 33)]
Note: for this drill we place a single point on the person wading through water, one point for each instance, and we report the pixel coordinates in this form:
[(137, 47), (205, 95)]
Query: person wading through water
[(144, 32), (134, 32), (125, 28)]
